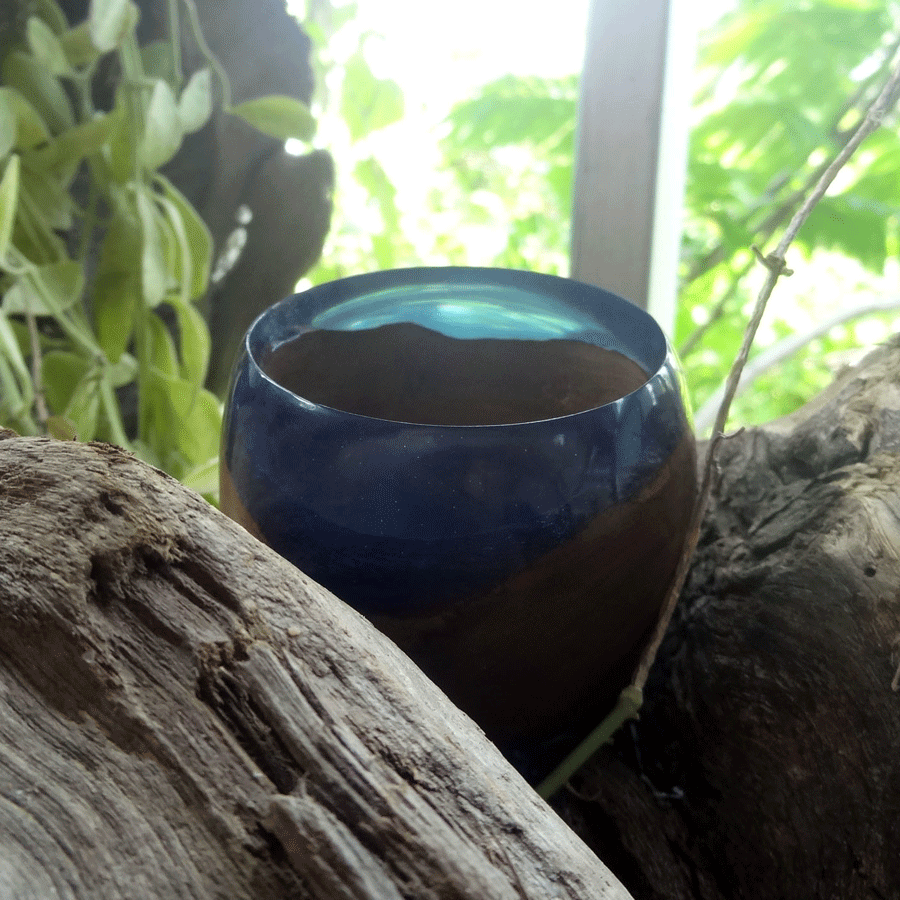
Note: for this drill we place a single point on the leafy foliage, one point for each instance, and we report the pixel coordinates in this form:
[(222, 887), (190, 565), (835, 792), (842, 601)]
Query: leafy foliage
[(102, 259), (781, 86), (534, 115)]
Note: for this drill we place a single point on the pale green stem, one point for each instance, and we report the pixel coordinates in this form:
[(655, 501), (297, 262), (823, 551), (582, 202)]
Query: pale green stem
[(132, 68), (175, 41), (82, 336), (37, 365), (630, 701), (113, 414), (19, 414), (208, 55)]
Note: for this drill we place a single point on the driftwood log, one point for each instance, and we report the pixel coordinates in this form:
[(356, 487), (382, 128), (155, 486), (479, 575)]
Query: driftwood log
[(186, 715)]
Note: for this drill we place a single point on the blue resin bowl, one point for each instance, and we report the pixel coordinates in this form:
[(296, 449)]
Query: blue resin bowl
[(519, 564)]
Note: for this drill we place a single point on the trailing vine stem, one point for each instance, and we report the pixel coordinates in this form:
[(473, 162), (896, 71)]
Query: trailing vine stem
[(208, 55)]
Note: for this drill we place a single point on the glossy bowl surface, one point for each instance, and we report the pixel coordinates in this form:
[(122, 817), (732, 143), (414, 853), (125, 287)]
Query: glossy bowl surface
[(519, 564)]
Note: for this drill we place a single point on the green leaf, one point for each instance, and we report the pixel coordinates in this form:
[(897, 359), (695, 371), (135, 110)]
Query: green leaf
[(116, 302), (117, 286), (49, 200), (199, 240), (162, 347), (63, 281), (44, 204), (278, 116), (12, 404), (123, 372), (204, 478), (851, 226), (195, 343), (61, 428), (45, 290), (83, 410), (38, 86), (12, 352), (516, 110), (154, 273), (162, 129), (195, 339), (7, 127), (46, 47), (30, 129), (50, 12), (123, 242), (368, 103), (195, 102), (145, 452), (109, 21), (62, 371), (176, 253), (193, 415), (9, 199)]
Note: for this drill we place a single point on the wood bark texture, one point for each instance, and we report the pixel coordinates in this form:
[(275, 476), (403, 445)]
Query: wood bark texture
[(185, 715), (765, 764)]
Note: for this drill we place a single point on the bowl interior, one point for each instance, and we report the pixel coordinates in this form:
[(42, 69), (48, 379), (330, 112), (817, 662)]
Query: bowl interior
[(458, 308)]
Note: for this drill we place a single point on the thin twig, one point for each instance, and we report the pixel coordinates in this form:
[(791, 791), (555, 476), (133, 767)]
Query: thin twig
[(208, 55), (631, 697), (865, 86), (776, 266)]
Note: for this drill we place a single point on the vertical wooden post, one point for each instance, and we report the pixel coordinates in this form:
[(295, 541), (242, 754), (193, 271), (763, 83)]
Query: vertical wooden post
[(632, 150)]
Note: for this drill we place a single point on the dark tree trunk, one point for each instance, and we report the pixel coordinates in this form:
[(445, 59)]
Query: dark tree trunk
[(766, 761)]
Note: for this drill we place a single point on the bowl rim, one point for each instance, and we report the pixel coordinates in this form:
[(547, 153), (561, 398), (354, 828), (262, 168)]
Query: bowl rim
[(358, 285)]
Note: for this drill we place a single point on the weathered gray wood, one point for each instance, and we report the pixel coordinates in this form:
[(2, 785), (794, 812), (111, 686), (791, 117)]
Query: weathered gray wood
[(182, 714), (185, 715)]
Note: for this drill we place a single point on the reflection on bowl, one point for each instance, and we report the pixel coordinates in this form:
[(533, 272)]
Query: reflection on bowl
[(494, 466)]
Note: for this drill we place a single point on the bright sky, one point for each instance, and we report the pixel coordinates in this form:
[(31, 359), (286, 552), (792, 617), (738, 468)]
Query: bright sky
[(450, 48), (456, 46), (443, 50), (442, 53)]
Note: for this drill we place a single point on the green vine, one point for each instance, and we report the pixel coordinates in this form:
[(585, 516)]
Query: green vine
[(98, 249)]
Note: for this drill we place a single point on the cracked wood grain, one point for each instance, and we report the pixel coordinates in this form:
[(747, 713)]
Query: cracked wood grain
[(185, 715)]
